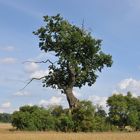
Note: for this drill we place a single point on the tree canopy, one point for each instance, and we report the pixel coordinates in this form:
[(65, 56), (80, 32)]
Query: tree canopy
[(124, 110), (79, 56)]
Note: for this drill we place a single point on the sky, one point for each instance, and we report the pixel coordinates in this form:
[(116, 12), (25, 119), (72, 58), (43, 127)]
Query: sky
[(116, 22)]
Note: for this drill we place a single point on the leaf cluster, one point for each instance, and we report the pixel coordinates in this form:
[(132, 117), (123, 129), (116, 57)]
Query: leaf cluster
[(79, 54)]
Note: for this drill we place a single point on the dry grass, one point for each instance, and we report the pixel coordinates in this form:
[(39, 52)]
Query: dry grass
[(5, 134)]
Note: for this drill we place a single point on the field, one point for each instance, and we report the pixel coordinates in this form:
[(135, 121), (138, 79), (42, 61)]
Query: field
[(7, 134)]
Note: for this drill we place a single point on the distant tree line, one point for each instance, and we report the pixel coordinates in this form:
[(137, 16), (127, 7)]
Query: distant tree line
[(5, 117)]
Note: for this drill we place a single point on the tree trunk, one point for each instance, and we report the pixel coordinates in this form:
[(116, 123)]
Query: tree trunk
[(72, 100)]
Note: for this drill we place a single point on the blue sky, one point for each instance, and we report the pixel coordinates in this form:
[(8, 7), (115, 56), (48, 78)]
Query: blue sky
[(116, 22)]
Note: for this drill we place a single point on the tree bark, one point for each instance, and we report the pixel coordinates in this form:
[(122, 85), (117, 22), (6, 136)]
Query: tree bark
[(72, 100)]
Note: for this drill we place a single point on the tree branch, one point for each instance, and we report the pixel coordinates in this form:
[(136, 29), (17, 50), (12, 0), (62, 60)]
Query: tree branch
[(31, 81), (41, 62)]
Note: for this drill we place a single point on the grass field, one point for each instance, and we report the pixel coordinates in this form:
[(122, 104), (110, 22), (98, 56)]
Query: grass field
[(6, 134)]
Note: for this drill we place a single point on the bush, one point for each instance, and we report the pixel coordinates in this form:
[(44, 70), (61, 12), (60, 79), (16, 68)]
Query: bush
[(32, 118), (55, 118), (83, 117), (64, 123)]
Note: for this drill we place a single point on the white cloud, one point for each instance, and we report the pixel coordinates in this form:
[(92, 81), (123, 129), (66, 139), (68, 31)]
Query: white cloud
[(52, 101), (22, 93), (34, 70), (55, 100), (6, 105), (129, 84), (7, 60), (97, 100), (39, 73), (7, 48), (77, 94), (31, 67)]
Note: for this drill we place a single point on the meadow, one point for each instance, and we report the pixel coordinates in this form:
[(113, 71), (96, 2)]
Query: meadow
[(7, 133)]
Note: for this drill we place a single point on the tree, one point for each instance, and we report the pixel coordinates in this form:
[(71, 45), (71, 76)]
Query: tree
[(124, 110), (118, 110), (133, 111), (79, 56)]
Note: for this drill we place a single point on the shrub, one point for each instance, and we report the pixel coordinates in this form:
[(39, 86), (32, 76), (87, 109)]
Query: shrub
[(32, 118), (83, 116), (64, 123)]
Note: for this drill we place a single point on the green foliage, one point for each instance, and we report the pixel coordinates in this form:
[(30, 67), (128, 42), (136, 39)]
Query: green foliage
[(100, 120), (100, 124), (64, 123), (56, 110), (43, 120), (77, 119), (83, 116), (124, 111), (32, 118), (100, 112), (55, 118), (118, 110), (133, 118), (20, 120), (78, 55)]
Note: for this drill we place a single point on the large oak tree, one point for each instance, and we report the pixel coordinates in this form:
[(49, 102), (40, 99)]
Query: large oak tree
[(79, 56)]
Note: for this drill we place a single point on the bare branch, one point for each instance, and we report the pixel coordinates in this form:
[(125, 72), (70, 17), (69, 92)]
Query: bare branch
[(52, 63), (31, 81), (41, 62)]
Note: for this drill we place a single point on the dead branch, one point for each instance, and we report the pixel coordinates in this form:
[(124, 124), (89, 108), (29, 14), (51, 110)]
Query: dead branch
[(31, 81), (40, 77), (41, 62)]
